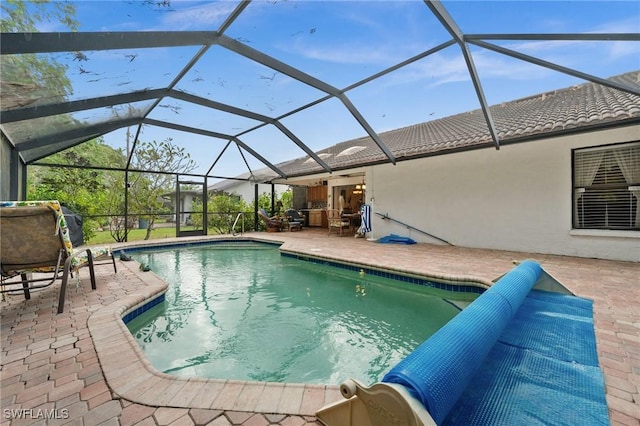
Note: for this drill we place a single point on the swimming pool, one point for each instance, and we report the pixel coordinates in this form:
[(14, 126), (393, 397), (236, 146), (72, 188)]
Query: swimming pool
[(246, 312)]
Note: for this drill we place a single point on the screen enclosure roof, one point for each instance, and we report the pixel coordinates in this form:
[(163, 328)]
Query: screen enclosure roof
[(253, 88)]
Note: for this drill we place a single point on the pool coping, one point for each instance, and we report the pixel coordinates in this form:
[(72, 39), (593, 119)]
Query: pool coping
[(131, 376)]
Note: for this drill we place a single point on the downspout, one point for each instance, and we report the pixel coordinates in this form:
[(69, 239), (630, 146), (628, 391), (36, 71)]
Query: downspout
[(273, 199), (255, 207), (205, 211)]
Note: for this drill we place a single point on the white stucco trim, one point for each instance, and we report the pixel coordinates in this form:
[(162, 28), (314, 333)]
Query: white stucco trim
[(603, 233)]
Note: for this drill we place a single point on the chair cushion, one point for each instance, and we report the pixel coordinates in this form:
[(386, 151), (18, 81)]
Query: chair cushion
[(81, 258), (41, 248)]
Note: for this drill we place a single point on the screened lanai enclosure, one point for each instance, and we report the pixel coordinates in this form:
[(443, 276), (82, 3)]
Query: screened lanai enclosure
[(135, 96)]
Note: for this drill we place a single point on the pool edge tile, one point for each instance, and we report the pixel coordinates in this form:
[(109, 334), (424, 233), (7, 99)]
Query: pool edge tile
[(456, 283), (188, 393), (208, 394), (228, 395), (291, 399), (312, 399), (149, 392), (249, 396), (270, 397), (171, 391), (332, 394)]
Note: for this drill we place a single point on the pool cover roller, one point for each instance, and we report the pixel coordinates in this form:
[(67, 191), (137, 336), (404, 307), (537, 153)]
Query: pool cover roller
[(523, 353), (438, 371)]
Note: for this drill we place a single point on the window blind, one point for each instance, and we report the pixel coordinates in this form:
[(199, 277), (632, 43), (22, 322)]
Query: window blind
[(606, 186)]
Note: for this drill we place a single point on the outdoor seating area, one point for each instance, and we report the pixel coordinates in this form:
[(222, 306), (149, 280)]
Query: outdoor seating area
[(343, 224), (273, 223), (292, 222), (337, 223), (35, 338), (36, 240), (294, 216)]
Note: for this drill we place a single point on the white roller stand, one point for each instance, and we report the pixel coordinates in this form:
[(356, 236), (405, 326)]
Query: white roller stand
[(382, 404)]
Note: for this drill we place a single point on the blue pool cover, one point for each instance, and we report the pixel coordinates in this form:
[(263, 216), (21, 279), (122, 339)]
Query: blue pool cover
[(514, 356)]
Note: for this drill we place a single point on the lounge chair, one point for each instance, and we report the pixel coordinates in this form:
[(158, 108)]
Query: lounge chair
[(274, 223), (337, 222), (35, 239)]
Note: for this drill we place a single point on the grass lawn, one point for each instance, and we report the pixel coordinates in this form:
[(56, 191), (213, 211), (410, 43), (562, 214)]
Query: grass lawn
[(104, 237)]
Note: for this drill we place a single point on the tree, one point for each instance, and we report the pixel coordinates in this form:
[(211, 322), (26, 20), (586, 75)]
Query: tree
[(82, 189), (34, 79), (23, 16), (114, 201), (222, 211), (286, 198), (146, 188)]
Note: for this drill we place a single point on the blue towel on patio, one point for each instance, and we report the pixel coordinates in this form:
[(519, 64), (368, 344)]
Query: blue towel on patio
[(396, 239)]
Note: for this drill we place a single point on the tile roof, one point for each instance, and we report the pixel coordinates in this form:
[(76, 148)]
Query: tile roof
[(577, 108)]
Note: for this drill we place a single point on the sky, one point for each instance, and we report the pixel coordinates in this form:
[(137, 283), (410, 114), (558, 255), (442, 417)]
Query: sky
[(340, 43)]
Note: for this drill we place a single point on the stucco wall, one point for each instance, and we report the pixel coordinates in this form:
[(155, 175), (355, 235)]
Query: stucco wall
[(516, 198), (246, 190)]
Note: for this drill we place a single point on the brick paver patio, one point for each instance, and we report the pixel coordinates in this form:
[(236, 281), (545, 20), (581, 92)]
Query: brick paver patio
[(79, 368)]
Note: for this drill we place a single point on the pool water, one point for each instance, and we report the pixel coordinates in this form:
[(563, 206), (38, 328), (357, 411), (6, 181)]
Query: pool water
[(252, 314)]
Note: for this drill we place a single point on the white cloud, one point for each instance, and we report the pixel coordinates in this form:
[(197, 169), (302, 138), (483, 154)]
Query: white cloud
[(210, 15), (447, 67), (349, 54), (568, 48), (630, 25)]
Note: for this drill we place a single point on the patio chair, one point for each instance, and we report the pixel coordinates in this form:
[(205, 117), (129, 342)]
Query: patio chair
[(337, 222), (274, 224), (294, 216), (35, 240)]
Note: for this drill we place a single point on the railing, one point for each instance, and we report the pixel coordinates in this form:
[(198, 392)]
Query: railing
[(385, 216), (233, 228)]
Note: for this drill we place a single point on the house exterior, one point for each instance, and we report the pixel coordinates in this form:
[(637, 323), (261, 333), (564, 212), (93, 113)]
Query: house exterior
[(184, 204), (566, 179), (245, 188)]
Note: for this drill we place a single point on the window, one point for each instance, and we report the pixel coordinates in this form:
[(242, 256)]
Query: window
[(606, 187)]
